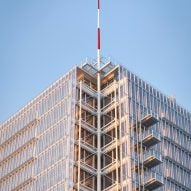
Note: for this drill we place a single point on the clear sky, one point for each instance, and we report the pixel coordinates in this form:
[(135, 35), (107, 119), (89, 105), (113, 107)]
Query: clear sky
[(40, 40)]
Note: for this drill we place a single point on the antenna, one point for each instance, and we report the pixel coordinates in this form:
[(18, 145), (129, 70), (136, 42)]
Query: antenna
[(98, 103), (98, 35)]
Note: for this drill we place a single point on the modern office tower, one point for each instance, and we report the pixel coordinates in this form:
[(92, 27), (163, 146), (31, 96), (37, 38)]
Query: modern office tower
[(53, 143)]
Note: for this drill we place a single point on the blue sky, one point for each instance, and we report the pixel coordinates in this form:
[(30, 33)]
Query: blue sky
[(40, 40)]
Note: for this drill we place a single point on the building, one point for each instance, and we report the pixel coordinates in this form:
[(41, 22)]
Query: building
[(141, 138)]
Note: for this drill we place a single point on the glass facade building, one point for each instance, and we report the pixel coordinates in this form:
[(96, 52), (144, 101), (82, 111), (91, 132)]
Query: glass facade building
[(53, 143)]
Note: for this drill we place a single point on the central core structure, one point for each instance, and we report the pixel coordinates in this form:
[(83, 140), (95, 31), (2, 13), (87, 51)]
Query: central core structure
[(101, 116)]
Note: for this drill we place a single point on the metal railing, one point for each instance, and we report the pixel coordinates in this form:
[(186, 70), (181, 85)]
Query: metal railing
[(152, 153), (153, 175), (150, 133)]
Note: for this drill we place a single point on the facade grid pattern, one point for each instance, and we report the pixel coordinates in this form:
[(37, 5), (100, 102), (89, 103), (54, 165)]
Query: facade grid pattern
[(52, 143), (36, 144)]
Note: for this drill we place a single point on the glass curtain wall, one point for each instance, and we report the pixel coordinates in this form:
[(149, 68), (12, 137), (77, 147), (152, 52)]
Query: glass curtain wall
[(169, 140), (145, 136), (36, 145)]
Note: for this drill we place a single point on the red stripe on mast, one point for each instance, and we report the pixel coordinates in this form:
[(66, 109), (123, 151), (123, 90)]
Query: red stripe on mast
[(98, 35), (98, 31)]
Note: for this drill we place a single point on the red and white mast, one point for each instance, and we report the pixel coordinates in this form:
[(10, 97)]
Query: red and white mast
[(98, 102), (98, 35)]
